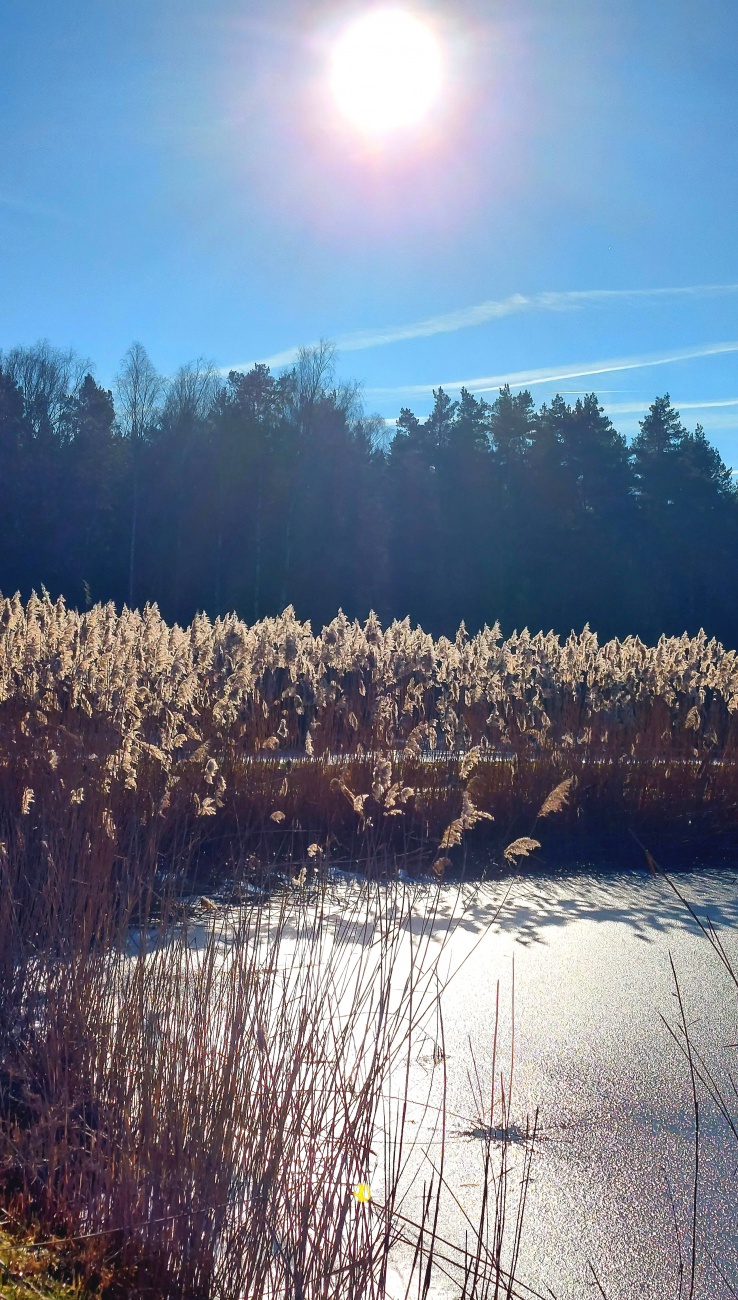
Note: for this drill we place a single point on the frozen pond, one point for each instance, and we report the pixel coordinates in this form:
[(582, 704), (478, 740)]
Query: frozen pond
[(612, 1174), (590, 958)]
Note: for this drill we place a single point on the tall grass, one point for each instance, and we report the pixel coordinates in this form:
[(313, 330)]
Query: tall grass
[(198, 1110), (256, 742)]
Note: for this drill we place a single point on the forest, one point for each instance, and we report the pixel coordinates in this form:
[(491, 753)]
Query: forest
[(260, 491)]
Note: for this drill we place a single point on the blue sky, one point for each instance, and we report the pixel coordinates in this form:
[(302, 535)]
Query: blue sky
[(174, 171)]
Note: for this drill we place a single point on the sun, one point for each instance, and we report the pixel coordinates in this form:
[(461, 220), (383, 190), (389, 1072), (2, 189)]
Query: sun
[(386, 71)]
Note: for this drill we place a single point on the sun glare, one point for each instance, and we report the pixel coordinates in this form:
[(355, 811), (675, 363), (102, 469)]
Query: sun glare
[(387, 71)]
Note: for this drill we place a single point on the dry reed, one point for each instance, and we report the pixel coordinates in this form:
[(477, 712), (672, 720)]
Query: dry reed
[(200, 1110), (239, 743), (188, 1116)]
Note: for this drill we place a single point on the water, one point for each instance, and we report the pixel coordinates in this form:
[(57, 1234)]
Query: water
[(582, 972), (593, 986)]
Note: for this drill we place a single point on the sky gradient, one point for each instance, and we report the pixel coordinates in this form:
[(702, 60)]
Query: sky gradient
[(175, 172)]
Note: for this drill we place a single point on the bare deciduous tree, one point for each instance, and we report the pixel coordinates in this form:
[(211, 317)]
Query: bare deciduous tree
[(47, 378), (192, 391), (314, 373)]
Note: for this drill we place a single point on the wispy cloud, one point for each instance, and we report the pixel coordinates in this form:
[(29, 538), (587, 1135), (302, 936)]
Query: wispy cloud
[(727, 418), (635, 408), (496, 308), (276, 361), (557, 374)]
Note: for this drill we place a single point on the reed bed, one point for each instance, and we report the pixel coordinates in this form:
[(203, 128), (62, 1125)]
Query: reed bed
[(193, 1111), (217, 1108), (240, 745)]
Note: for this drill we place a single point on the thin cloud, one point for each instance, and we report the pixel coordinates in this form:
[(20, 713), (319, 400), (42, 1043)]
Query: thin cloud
[(634, 408), (530, 378), (495, 309), (726, 418), (286, 358), (702, 406)]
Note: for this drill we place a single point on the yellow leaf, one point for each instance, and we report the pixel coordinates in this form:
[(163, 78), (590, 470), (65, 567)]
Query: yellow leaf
[(363, 1193)]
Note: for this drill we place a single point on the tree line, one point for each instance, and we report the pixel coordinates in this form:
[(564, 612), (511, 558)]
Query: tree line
[(264, 490)]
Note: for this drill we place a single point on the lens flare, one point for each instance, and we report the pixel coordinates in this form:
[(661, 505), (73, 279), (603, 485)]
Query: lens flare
[(387, 71)]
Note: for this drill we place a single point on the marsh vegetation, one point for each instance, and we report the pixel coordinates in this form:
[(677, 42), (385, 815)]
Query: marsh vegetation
[(193, 1102), (141, 747)]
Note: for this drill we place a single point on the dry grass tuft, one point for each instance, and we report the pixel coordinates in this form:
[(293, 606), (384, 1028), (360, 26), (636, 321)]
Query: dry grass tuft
[(521, 848), (557, 799)]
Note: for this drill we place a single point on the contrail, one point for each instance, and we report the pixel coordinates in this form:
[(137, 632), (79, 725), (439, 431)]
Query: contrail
[(495, 309), (632, 408), (553, 375)]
